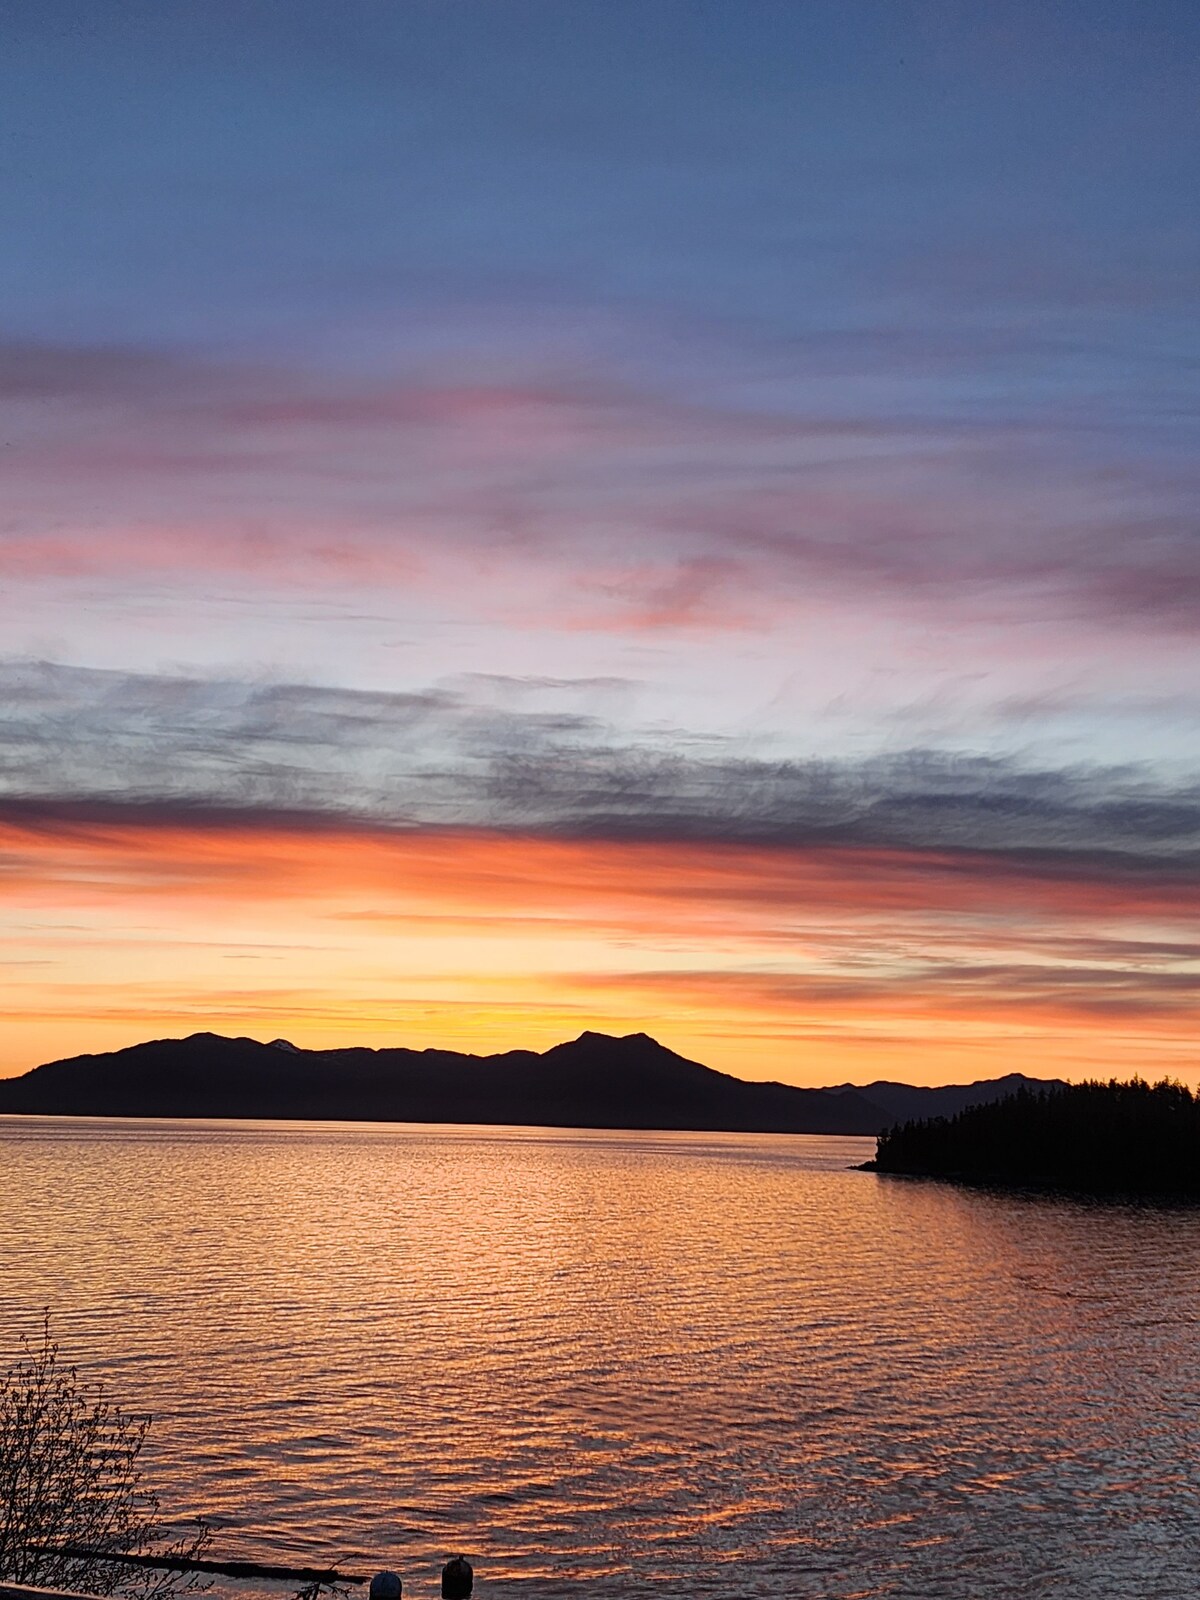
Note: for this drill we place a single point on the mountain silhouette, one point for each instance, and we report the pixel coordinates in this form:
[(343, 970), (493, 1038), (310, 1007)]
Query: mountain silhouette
[(595, 1081), (908, 1102)]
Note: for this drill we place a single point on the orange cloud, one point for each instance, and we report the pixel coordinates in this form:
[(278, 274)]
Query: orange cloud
[(235, 855), (808, 964)]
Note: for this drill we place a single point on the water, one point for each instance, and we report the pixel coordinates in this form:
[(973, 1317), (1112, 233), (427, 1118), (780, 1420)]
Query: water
[(602, 1364)]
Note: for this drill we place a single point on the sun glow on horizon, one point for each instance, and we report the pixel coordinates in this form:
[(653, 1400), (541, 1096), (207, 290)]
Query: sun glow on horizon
[(812, 966)]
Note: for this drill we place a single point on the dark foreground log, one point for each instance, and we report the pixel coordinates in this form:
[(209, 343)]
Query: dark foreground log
[(22, 1591), (222, 1569)]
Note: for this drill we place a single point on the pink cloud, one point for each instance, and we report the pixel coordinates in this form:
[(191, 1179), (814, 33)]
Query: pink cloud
[(675, 514)]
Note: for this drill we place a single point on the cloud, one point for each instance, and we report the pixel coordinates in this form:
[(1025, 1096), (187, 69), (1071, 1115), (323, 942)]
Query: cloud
[(544, 761), (943, 954), (673, 509), (86, 374), (942, 994), (492, 842)]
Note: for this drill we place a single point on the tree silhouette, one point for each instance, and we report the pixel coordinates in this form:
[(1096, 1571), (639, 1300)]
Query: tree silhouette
[(1133, 1137)]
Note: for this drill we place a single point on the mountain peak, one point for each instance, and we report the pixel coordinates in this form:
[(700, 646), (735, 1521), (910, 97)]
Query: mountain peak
[(592, 1036)]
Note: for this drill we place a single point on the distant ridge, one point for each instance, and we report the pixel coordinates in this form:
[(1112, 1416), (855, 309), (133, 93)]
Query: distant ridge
[(595, 1081)]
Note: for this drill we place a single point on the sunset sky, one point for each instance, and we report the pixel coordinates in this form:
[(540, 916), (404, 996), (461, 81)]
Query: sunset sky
[(674, 515)]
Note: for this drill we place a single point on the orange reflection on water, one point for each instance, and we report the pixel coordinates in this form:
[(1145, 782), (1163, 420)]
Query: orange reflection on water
[(580, 1355)]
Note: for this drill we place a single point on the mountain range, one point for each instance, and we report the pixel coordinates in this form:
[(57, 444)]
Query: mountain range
[(595, 1081)]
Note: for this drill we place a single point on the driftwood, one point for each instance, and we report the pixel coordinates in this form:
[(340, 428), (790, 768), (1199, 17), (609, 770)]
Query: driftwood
[(22, 1591), (224, 1569)]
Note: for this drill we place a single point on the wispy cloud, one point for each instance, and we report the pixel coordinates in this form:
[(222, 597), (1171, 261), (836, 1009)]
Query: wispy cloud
[(673, 510), (457, 756)]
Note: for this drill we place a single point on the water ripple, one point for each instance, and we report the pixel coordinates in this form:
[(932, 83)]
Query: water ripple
[(618, 1360)]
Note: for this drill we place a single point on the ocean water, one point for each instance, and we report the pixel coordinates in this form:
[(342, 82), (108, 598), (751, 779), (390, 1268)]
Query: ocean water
[(624, 1364)]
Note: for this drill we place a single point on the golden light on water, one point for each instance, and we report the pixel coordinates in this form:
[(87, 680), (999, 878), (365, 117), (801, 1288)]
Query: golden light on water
[(590, 1356)]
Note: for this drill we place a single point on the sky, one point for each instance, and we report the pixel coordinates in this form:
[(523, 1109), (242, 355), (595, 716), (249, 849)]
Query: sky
[(528, 515)]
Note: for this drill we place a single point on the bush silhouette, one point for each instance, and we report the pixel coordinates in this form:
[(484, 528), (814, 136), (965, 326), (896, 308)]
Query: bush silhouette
[(70, 1476)]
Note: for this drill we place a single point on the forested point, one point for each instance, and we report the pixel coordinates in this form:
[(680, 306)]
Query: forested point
[(1135, 1138)]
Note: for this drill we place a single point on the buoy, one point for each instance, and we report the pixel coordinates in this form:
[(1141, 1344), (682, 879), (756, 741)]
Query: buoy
[(386, 1586), (457, 1578)]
